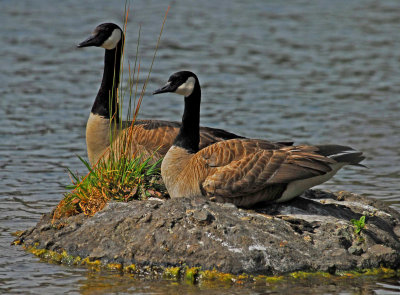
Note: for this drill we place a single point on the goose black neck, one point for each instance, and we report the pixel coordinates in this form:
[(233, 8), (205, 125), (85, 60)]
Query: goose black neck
[(189, 133), (106, 103)]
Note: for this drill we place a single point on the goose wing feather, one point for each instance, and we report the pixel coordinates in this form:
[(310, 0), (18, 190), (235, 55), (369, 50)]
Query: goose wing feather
[(150, 137), (239, 167), (159, 135)]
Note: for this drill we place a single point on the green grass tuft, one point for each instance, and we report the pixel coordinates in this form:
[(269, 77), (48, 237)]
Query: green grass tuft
[(121, 179)]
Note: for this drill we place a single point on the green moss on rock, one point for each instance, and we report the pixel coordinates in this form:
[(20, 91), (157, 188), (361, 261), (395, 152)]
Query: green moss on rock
[(208, 277), (191, 274), (172, 273)]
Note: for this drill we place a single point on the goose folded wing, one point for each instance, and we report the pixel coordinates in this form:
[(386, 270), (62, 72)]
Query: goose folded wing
[(161, 134), (210, 136), (149, 136), (255, 169), (225, 152)]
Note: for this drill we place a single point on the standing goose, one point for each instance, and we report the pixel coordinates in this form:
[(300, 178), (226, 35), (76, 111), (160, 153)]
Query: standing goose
[(148, 136), (241, 171)]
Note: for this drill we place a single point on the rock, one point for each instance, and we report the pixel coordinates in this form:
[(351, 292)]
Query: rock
[(356, 250), (397, 231), (202, 217), (310, 233), (387, 256)]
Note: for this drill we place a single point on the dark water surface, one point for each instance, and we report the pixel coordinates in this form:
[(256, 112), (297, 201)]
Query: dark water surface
[(309, 71)]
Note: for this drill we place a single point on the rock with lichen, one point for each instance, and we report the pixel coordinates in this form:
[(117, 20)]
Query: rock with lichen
[(309, 233)]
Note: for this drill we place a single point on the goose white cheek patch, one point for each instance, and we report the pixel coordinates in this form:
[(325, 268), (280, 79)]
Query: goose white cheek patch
[(113, 40), (186, 88)]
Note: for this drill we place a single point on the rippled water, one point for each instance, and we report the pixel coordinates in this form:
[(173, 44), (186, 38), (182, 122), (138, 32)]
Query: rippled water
[(309, 71)]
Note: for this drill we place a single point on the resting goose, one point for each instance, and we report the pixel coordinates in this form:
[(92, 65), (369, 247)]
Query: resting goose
[(149, 136), (241, 171)]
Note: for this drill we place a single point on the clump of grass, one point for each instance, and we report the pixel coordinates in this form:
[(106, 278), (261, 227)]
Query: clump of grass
[(123, 180), (117, 175)]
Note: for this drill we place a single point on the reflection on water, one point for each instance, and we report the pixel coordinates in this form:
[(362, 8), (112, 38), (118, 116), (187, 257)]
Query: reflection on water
[(312, 72), (106, 283)]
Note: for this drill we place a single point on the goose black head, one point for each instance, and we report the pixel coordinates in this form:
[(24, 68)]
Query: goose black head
[(180, 82), (106, 35)]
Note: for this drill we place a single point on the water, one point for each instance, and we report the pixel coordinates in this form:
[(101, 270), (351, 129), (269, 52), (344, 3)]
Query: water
[(309, 71)]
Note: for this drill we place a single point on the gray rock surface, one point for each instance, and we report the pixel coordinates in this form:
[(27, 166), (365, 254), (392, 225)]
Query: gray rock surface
[(310, 233)]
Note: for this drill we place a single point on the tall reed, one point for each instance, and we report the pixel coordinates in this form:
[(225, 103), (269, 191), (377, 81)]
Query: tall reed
[(118, 174)]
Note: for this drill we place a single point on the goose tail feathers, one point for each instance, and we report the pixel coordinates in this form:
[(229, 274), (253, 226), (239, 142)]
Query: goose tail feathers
[(342, 154)]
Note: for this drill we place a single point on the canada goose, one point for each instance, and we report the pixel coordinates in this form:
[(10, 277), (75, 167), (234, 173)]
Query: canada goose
[(148, 136), (241, 171)]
